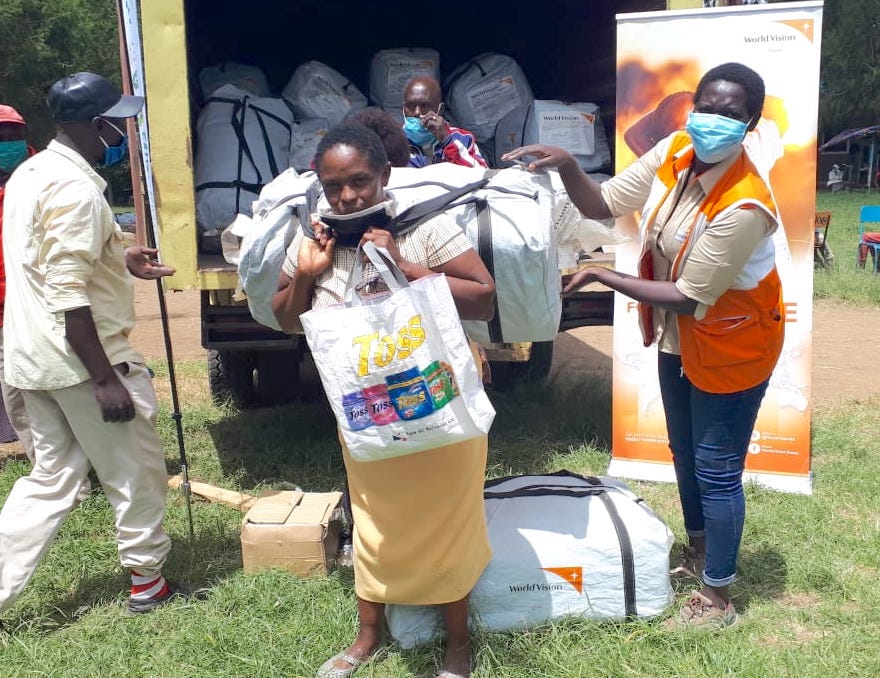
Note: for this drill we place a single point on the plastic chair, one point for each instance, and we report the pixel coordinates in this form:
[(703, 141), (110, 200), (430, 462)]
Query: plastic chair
[(869, 241)]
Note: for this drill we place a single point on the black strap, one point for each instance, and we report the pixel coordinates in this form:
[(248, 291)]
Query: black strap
[(411, 216), (241, 185), (487, 254), (270, 156), (627, 561)]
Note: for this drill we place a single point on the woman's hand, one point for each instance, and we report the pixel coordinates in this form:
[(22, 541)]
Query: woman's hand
[(384, 239), (316, 255), (586, 275), (547, 156)]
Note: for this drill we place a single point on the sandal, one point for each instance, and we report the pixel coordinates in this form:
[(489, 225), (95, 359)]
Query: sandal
[(328, 670)]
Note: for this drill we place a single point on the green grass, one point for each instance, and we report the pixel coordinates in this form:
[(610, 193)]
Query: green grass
[(844, 281), (809, 565)]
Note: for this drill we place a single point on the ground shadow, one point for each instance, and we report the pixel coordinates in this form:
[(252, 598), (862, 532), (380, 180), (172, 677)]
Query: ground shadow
[(762, 575)]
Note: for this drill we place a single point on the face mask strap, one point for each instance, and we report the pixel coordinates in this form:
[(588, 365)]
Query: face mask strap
[(121, 133)]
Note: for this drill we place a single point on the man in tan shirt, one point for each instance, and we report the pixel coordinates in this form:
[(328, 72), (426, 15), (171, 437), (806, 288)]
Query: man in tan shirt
[(69, 311)]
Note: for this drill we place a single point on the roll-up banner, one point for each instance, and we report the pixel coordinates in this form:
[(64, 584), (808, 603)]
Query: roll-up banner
[(660, 59)]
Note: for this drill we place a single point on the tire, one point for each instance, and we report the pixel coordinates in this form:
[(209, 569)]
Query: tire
[(508, 374), (231, 377), (277, 374)]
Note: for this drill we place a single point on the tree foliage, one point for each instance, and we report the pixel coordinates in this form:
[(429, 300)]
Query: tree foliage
[(44, 40), (850, 72)]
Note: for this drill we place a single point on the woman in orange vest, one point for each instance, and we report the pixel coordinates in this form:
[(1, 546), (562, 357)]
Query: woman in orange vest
[(709, 296)]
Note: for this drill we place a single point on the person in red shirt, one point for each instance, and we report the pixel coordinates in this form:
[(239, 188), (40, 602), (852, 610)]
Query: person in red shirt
[(14, 150)]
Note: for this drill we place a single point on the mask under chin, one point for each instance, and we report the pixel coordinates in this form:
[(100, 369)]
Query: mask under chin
[(350, 228)]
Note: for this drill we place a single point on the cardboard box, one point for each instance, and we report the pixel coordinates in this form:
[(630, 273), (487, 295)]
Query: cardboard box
[(297, 531)]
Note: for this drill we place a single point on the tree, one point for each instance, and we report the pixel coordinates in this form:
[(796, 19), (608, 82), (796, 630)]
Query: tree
[(850, 71), (44, 40)]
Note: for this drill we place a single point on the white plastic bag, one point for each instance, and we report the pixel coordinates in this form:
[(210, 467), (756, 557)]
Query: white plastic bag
[(315, 90), (397, 369), (304, 139), (249, 78)]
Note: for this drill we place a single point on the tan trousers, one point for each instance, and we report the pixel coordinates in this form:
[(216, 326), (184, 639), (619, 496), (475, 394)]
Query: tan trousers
[(69, 438), (16, 411)]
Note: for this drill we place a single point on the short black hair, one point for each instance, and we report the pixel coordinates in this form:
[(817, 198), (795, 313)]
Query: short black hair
[(751, 82), (389, 130), (357, 136)]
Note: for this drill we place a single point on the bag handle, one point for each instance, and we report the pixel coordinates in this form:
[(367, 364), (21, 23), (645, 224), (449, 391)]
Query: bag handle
[(392, 276)]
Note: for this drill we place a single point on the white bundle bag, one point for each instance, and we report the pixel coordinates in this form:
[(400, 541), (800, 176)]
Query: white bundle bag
[(509, 221), (397, 368), (574, 127), (562, 545), (304, 139), (249, 78), (282, 204), (485, 89), (315, 90), (243, 143), (392, 69)]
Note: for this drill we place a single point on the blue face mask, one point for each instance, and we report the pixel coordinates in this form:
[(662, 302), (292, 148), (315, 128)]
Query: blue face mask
[(114, 154), (715, 137), (415, 132), (12, 154)]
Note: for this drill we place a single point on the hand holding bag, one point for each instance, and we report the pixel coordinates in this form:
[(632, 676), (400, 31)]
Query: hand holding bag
[(397, 368)]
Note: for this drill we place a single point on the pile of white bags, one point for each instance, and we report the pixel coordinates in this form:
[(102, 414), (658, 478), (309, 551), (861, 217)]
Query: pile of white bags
[(482, 91), (574, 127), (562, 545), (392, 69), (243, 143), (315, 90), (304, 139), (249, 78)]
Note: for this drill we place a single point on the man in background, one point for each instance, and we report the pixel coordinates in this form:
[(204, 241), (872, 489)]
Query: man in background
[(431, 138)]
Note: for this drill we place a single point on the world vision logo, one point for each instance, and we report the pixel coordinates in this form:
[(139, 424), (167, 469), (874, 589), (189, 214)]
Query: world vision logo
[(573, 575)]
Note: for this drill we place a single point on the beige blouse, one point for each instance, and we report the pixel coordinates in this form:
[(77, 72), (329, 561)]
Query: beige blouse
[(720, 253), (432, 243)]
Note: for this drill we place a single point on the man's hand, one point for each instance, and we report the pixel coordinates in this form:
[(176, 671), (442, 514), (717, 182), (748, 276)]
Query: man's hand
[(436, 125), (114, 400), (141, 263)]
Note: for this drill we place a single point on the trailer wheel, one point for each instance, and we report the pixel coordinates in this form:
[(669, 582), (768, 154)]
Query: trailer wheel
[(231, 377), (507, 374), (277, 376)]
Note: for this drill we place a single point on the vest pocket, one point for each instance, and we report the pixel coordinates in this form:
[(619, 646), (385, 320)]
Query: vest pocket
[(729, 341)]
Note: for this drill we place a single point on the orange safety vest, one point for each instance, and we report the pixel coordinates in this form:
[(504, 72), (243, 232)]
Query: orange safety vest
[(737, 344)]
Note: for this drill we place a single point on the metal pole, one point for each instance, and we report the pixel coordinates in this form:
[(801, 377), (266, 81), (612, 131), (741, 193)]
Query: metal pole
[(147, 229)]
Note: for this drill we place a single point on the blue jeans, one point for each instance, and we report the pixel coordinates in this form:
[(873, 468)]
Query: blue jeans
[(709, 436)]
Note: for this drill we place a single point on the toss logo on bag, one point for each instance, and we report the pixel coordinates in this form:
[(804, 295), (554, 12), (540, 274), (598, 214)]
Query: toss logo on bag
[(383, 349)]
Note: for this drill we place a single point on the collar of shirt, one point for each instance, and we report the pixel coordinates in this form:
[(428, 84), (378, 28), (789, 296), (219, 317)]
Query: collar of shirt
[(710, 177), (79, 161)]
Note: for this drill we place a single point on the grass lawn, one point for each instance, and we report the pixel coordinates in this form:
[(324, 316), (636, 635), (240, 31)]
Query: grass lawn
[(808, 587), (809, 565), (844, 280)]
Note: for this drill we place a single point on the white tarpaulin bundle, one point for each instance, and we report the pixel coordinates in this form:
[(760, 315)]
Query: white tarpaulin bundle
[(574, 127), (304, 139), (315, 90), (482, 91), (392, 69), (562, 545), (250, 78), (243, 142), (509, 221)]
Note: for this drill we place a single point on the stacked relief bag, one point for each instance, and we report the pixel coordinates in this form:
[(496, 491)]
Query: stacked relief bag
[(562, 545), (482, 91), (243, 143), (392, 69), (249, 78)]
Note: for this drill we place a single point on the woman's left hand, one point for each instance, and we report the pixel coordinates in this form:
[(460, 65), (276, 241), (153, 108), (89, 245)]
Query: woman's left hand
[(384, 239), (586, 275)]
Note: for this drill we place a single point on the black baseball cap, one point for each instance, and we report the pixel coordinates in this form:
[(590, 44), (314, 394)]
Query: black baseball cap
[(84, 96)]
